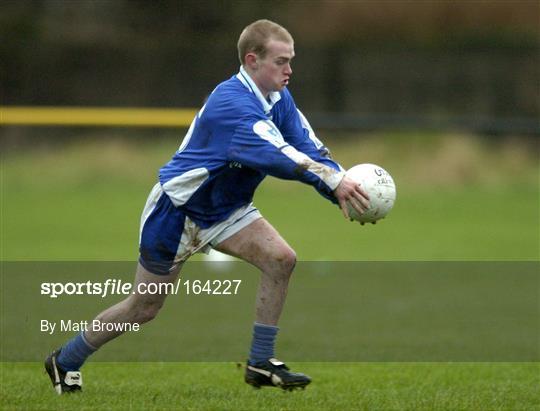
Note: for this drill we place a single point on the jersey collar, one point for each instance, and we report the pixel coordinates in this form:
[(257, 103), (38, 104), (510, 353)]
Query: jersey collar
[(273, 97)]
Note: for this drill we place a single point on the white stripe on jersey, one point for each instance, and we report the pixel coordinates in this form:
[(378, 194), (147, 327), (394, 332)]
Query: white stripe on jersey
[(151, 202), (268, 131), (182, 187), (318, 143)]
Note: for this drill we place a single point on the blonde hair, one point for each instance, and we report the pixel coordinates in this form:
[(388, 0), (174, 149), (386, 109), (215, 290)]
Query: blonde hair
[(255, 37)]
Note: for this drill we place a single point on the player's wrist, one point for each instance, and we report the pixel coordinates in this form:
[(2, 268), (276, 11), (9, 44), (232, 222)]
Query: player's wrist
[(334, 180)]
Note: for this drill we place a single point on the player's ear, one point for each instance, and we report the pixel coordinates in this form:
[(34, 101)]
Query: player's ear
[(251, 61)]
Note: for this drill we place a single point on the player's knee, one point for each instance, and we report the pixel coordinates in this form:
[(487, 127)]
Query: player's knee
[(147, 311), (286, 260)]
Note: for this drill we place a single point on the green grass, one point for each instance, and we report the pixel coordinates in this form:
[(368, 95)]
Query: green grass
[(459, 198), (83, 201), (101, 222), (336, 386)]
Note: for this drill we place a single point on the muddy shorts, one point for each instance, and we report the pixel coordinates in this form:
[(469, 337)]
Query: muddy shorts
[(168, 237)]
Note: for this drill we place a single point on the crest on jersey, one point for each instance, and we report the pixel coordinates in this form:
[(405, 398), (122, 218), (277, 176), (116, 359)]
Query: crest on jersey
[(268, 131)]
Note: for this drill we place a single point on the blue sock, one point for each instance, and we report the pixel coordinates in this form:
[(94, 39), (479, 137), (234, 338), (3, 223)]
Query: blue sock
[(74, 353), (262, 346)]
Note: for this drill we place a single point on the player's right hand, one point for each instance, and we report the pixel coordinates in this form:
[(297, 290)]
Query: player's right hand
[(348, 191)]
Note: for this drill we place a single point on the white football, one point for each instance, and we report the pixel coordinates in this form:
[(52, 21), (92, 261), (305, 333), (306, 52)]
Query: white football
[(379, 185)]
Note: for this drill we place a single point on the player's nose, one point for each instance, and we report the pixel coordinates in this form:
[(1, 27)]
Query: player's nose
[(288, 69)]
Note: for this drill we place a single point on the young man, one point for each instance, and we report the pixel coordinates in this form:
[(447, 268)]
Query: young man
[(248, 128)]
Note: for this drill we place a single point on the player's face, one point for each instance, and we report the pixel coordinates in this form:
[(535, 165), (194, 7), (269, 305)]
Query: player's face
[(273, 72)]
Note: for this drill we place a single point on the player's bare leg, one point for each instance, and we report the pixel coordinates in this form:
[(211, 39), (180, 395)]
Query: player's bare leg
[(138, 308), (261, 245), (63, 365)]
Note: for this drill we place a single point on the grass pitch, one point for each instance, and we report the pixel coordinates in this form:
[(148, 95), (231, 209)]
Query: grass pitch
[(458, 199), (336, 386)]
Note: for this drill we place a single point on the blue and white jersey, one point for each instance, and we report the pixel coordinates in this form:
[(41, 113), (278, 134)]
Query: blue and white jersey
[(237, 138)]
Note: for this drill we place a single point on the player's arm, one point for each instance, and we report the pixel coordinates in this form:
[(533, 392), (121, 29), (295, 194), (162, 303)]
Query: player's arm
[(258, 144), (348, 190), (297, 131), (300, 134)]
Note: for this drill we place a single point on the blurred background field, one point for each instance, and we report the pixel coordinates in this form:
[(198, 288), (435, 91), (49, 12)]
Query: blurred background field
[(445, 95), (365, 64), (459, 197)]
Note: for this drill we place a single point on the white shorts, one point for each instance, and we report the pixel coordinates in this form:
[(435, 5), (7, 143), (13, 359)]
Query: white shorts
[(168, 237)]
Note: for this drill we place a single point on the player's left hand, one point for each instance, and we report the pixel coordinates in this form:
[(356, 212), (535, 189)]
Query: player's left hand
[(348, 191)]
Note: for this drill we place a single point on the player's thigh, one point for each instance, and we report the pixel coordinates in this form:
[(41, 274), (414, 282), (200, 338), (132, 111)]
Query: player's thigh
[(260, 244), (150, 288)]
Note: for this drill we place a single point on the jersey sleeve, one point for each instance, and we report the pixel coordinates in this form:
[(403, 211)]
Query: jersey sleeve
[(298, 132), (257, 143)]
